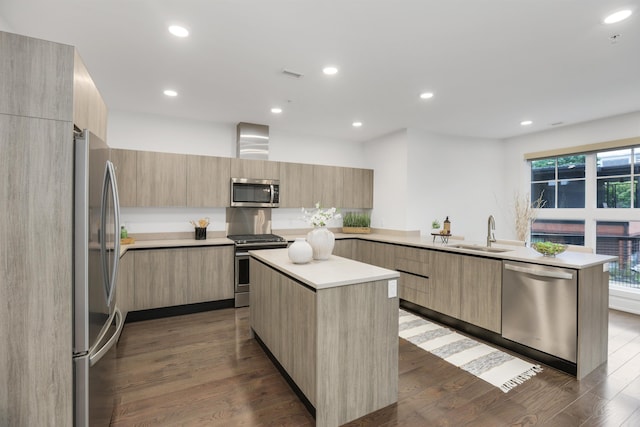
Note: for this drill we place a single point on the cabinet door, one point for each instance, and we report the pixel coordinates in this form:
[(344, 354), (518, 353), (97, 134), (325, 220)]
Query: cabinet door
[(344, 248), (37, 78), (383, 255), (256, 169), (125, 284), (358, 188), (296, 185), (445, 283), (363, 251), (126, 175), (210, 274), (413, 260), (161, 277), (481, 292), (415, 289), (162, 179), (208, 181), (89, 110), (327, 185)]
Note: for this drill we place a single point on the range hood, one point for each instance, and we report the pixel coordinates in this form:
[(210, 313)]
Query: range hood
[(252, 141)]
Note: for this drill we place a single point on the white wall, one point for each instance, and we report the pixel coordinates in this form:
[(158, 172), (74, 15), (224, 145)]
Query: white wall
[(458, 177), (4, 26), (387, 156)]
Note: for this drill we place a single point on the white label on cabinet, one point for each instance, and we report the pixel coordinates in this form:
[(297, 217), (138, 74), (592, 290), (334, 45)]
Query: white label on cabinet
[(393, 288)]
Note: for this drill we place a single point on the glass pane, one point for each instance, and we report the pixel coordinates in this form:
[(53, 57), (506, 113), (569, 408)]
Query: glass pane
[(636, 197), (543, 170), (570, 232), (616, 162), (548, 192), (571, 167), (571, 194), (622, 240), (636, 161), (614, 192)]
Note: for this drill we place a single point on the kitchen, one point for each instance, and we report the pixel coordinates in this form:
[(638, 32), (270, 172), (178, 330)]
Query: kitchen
[(416, 152)]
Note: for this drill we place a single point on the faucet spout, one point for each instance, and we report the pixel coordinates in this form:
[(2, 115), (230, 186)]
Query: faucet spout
[(491, 226)]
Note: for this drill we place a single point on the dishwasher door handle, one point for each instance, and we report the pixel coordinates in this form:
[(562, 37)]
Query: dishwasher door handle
[(539, 272)]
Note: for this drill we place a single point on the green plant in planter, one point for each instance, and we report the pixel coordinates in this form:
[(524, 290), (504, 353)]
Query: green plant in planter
[(355, 219), (435, 224)]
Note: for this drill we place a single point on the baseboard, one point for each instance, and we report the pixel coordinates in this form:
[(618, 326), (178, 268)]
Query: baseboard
[(177, 310)]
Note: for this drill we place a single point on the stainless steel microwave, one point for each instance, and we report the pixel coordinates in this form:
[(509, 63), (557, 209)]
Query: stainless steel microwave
[(255, 193)]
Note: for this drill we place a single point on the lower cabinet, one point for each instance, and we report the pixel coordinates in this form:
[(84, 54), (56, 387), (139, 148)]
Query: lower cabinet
[(445, 283), (481, 292), (415, 289), (168, 277), (124, 287), (345, 248)]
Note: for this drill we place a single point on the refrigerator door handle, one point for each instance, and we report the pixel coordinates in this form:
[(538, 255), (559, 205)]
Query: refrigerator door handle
[(95, 357), (116, 236), (110, 277)]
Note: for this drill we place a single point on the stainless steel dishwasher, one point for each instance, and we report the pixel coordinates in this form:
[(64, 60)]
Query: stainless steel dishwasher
[(539, 308)]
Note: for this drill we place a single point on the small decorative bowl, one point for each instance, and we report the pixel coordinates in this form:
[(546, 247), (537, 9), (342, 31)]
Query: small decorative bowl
[(549, 248)]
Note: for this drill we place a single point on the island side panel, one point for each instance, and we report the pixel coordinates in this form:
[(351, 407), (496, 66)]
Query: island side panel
[(283, 315), (357, 351), (593, 319)]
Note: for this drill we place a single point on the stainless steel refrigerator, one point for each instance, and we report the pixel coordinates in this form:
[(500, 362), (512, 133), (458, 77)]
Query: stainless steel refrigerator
[(97, 322)]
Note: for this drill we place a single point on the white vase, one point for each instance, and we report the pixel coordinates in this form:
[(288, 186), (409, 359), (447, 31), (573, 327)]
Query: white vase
[(322, 241), (300, 252)]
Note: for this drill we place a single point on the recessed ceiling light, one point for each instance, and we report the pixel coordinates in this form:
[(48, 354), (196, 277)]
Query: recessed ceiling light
[(426, 95), (617, 17), (276, 110), (178, 31), (356, 124), (170, 92), (331, 70), (526, 122)]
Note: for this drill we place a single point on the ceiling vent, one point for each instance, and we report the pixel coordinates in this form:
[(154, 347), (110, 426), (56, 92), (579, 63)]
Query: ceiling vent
[(252, 141), (291, 73)]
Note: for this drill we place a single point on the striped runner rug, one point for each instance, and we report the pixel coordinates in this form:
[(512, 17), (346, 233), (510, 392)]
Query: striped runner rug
[(496, 367)]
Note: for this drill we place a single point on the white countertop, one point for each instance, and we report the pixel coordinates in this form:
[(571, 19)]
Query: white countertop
[(174, 243), (569, 259), (336, 271)]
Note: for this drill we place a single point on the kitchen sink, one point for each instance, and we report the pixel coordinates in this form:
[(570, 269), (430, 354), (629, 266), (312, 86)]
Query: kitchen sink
[(479, 248)]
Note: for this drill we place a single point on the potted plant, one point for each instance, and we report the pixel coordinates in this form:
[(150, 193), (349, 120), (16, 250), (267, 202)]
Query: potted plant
[(435, 227), (355, 222)]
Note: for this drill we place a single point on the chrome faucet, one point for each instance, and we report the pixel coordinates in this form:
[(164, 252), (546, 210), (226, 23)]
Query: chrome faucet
[(491, 225)]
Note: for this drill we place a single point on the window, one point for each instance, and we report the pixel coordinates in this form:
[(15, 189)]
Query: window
[(559, 181), (621, 239), (570, 232), (617, 180)]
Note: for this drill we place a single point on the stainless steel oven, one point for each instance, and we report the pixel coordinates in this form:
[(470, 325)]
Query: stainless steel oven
[(242, 273)]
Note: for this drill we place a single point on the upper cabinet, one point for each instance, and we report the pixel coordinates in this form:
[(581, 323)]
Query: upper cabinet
[(255, 169), (296, 185), (126, 175), (208, 181), (89, 110), (161, 179), (358, 188), (328, 185), (37, 78)]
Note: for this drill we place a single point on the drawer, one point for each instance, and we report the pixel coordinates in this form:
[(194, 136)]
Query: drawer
[(413, 260), (414, 289)]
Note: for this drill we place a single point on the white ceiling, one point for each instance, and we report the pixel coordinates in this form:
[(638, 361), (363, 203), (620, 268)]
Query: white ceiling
[(490, 63)]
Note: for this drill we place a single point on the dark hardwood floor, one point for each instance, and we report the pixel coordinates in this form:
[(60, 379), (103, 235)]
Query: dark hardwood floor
[(204, 369)]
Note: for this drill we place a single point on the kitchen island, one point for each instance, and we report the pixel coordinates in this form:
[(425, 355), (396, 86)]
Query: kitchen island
[(332, 327)]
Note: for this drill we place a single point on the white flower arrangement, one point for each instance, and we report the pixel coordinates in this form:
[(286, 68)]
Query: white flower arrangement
[(320, 217)]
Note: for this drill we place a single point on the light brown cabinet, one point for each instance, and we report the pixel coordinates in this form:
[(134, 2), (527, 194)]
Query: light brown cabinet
[(210, 276), (208, 181), (125, 284), (161, 179), (481, 292), (358, 188), (328, 182), (40, 98), (444, 283), (345, 248), (177, 276), (125, 162), (255, 169), (296, 185)]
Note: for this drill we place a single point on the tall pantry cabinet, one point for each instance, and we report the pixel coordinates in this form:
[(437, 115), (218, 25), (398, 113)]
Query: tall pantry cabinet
[(45, 89)]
